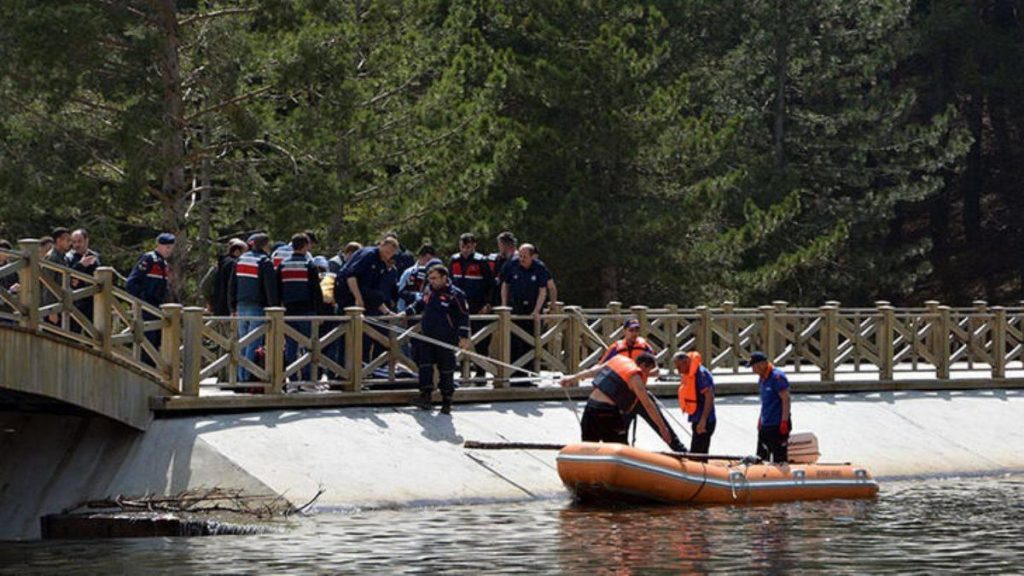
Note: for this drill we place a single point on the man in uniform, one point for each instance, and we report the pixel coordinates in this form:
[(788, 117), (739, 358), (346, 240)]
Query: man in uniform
[(445, 319), (471, 273), (298, 283), (775, 423), (524, 288), (252, 289), (696, 399), (620, 389), (148, 281)]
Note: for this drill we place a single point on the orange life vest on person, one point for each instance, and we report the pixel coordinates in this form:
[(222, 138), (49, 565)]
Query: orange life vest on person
[(621, 348), (688, 387), (614, 378)]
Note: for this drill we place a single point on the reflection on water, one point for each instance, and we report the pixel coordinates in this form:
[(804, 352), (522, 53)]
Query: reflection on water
[(935, 525)]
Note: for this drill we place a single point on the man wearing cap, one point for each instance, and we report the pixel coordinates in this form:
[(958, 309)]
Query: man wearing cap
[(696, 399), (148, 281), (632, 344), (774, 424)]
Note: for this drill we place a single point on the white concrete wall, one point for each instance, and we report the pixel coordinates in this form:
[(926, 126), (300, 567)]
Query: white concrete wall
[(372, 457)]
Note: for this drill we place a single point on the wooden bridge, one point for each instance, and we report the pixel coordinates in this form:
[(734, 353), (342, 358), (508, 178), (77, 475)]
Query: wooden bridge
[(107, 362)]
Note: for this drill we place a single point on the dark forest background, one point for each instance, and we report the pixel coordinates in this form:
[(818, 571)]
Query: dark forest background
[(684, 151)]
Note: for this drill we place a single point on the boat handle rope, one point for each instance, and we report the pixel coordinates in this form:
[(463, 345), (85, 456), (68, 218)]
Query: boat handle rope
[(423, 338)]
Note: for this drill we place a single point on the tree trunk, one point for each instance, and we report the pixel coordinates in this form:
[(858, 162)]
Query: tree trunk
[(974, 176), (172, 148), (781, 64)]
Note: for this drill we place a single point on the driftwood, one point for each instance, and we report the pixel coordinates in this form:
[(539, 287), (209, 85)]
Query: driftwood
[(201, 501)]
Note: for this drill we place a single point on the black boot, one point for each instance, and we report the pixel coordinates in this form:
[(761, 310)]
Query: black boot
[(446, 405), (422, 401)]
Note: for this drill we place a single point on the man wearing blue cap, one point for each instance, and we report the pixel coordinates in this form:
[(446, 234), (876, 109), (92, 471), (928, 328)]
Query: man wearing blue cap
[(774, 424), (148, 281)]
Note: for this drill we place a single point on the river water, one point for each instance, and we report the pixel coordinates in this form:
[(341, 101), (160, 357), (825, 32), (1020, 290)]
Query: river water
[(937, 525)]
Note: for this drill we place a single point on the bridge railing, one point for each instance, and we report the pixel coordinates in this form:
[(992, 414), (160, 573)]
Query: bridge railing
[(187, 350)]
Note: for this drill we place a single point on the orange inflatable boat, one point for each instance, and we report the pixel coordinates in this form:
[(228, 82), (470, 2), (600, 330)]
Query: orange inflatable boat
[(603, 472)]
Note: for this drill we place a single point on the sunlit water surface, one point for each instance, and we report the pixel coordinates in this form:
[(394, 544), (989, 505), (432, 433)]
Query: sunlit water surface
[(962, 525)]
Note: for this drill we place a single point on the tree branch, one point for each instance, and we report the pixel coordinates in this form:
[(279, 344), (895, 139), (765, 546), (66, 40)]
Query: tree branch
[(215, 14), (235, 100)]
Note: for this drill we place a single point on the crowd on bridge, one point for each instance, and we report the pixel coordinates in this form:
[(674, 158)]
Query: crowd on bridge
[(386, 280)]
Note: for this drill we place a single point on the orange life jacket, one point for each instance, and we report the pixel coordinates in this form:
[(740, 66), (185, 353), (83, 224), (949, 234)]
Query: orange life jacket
[(688, 387), (614, 378), (621, 348)]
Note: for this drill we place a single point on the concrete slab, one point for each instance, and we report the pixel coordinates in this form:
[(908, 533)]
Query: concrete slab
[(396, 456)]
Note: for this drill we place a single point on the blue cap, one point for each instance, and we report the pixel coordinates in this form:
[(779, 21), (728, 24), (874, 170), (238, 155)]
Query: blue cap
[(756, 357), (165, 238), (321, 263), (631, 323)]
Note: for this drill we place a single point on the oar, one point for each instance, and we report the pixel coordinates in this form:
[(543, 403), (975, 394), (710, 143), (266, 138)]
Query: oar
[(475, 445)]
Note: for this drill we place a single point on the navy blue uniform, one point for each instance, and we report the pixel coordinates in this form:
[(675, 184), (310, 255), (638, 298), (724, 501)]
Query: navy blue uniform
[(252, 284), (445, 318), (148, 280), (524, 284), (367, 268), (474, 277), (252, 288), (298, 283)]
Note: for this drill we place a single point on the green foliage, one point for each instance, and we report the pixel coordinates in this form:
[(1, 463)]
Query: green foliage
[(654, 150)]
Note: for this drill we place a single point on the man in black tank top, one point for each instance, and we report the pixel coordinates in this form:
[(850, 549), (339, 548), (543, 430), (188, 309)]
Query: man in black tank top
[(620, 389)]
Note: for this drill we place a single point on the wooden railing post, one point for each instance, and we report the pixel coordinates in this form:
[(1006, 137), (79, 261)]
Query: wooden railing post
[(574, 339), (504, 335), (354, 348), (734, 338), (671, 326), (768, 331), (641, 314), (102, 314), (829, 342), (557, 348), (612, 320), (192, 350), (28, 277), (998, 328), (931, 338), (975, 339), (942, 347), (170, 344), (275, 349), (886, 326)]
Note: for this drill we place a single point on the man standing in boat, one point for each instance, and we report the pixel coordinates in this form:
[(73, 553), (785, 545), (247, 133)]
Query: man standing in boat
[(620, 388), (696, 399), (774, 424)]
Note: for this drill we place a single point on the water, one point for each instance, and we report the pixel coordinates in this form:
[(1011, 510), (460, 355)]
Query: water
[(961, 525)]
